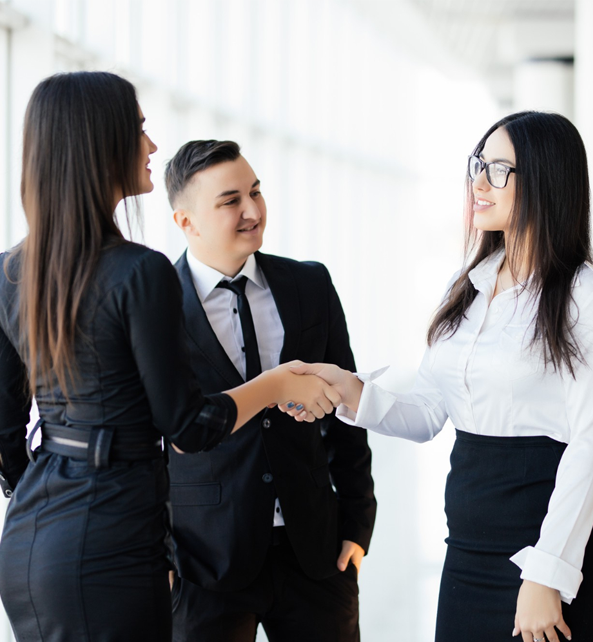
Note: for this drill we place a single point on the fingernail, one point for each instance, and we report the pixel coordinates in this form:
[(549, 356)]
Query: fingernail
[(290, 405), (300, 406), (515, 632)]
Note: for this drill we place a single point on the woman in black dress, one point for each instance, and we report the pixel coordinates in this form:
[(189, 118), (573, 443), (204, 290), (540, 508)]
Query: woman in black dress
[(93, 326), (510, 362)]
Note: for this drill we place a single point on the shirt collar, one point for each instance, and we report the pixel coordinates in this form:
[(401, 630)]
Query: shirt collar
[(484, 275), (206, 278)]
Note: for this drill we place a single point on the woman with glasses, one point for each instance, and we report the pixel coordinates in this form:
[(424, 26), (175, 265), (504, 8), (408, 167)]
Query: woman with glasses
[(509, 361), (92, 326)]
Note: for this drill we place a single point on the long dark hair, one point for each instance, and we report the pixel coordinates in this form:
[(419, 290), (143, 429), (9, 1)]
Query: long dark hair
[(548, 231), (81, 149)]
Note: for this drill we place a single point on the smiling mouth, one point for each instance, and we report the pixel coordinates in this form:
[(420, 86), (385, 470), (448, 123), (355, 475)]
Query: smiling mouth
[(479, 201), (249, 229)]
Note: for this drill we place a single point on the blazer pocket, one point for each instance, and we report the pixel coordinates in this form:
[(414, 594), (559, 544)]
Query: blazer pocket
[(312, 341), (321, 475), (311, 328), (195, 494)]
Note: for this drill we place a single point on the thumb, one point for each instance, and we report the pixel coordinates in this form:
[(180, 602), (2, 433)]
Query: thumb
[(344, 559), (307, 368)]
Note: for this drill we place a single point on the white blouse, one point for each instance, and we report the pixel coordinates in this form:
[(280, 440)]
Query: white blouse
[(489, 381)]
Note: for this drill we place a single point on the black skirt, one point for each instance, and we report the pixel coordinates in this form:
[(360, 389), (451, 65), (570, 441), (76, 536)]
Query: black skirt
[(84, 554), (496, 499)]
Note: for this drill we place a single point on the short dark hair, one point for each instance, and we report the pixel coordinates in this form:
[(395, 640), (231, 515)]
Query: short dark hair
[(193, 157)]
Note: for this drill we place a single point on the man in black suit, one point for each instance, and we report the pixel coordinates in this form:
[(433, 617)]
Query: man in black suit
[(271, 525)]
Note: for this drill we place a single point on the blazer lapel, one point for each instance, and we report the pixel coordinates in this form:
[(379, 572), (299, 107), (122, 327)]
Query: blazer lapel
[(284, 290), (200, 331)]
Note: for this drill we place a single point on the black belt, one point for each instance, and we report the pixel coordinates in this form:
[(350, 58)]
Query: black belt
[(98, 444)]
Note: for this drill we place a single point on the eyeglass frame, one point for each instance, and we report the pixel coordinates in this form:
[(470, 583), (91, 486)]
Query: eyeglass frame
[(484, 167)]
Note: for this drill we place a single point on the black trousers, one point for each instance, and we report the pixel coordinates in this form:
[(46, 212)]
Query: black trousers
[(290, 606), (496, 499)]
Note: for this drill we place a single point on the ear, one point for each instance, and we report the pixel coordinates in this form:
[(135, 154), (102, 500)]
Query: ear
[(184, 222)]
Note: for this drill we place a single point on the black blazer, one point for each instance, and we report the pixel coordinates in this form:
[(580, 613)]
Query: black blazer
[(223, 500)]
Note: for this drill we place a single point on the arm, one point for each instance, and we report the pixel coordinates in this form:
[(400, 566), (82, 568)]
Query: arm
[(15, 406), (151, 307), (551, 569), (418, 415), (557, 557)]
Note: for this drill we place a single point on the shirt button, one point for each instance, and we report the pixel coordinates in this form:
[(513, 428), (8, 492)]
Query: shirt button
[(266, 423), (243, 348), (235, 310), (267, 477)]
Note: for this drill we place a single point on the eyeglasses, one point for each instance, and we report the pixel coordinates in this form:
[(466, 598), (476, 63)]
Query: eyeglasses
[(497, 174)]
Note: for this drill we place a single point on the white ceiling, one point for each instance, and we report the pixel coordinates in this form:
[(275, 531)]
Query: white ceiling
[(488, 37)]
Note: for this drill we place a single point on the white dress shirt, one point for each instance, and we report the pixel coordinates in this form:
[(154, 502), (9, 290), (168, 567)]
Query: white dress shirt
[(489, 382), (221, 309)]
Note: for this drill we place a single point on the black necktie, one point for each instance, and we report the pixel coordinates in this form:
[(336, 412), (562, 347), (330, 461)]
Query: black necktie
[(252, 362)]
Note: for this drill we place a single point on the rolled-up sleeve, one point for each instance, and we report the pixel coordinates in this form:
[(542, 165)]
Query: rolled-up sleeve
[(557, 557)]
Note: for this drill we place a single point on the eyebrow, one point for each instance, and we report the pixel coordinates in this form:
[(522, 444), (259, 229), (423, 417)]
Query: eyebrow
[(230, 192), (499, 160)]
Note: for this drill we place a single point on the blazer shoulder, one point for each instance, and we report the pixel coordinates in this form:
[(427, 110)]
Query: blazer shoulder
[(306, 269), (122, 263)]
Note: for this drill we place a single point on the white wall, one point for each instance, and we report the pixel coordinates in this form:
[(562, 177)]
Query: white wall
[(361, 150)]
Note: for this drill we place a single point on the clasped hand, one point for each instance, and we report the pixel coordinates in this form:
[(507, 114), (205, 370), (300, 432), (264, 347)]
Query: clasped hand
[(343, 384), (304, 395)]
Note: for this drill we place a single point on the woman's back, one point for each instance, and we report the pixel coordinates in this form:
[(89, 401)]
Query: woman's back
[(129, 348)]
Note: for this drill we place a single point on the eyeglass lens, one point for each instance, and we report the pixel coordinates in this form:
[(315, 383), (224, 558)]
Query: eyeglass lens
[(496, 173)]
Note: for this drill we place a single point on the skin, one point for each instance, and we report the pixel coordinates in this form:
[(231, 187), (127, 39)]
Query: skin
[(493, 206), (223, 214), (539, 608), (147, 148)]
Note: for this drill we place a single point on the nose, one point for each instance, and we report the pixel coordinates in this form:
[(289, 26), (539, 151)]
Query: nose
[(152, 148), (481, 182), (251, 210)]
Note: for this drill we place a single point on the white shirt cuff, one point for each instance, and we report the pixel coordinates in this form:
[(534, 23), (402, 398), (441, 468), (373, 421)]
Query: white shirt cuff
[(374, 403), (549, 570)]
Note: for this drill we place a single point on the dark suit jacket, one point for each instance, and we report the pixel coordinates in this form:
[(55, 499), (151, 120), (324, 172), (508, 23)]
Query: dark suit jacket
[(223, 500)]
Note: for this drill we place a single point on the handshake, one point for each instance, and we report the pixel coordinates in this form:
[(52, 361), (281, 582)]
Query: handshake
[(312, 390)]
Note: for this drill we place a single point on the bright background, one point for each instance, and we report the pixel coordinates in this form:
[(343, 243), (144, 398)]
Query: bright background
[(357, 116)]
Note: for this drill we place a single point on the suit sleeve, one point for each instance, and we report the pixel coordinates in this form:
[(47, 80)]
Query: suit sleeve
[(152, 310), (348, 450), (15, 406)]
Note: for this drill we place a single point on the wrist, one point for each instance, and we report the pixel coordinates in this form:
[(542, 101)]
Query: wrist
[(273, 382), (352, 392)]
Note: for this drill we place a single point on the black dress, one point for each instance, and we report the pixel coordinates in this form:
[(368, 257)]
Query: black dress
[(84, 554)]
